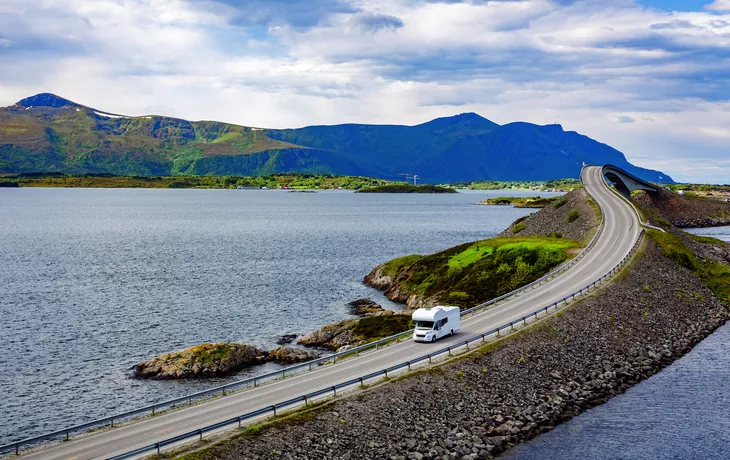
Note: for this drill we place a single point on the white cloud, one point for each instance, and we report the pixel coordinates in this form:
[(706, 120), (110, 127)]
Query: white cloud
[(586, 65), (719, 5)]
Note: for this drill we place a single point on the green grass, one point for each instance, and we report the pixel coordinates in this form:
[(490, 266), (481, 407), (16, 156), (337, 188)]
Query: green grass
[(475, 272), (715, 275), (573, 216), (560, 203), (517, 228), (378, 327), (707, 240)]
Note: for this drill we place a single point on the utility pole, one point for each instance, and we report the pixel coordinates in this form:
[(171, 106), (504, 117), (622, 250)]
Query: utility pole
[(415, 178)]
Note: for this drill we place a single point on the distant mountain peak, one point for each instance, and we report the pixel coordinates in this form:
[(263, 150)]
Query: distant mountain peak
[(470, 119), (47, 100)]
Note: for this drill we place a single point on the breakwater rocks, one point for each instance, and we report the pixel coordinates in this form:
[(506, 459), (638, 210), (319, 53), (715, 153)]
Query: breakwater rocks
[(684, 211), (510, 392), (215, 360), (555, 219)]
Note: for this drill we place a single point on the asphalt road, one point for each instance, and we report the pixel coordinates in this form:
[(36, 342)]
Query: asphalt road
[(621, 228)]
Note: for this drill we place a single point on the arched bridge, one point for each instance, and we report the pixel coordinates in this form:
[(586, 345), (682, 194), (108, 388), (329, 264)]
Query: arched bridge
[(627, 182)]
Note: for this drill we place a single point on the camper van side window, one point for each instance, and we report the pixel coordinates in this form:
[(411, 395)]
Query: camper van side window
[(444, 321)]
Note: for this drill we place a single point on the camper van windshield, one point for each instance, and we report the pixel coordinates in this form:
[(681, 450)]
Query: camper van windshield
[(424, 324)]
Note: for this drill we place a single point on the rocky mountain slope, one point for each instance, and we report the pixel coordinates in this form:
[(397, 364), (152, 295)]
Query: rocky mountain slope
[(46, 133)]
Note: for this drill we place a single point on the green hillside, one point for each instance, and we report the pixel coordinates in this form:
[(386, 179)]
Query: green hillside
[(46, 133)]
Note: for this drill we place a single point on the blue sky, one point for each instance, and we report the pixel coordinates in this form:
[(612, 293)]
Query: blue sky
[(649, 77)]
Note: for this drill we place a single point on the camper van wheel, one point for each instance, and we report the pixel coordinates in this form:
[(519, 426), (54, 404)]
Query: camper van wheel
[(451, 334), (433, 338)]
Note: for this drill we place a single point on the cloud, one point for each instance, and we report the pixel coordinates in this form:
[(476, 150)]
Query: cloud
[(719, 5), (289, 63)]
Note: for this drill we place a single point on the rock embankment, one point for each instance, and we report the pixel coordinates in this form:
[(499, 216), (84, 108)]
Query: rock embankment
[(555, 219), (480, 406), (215, 360), (685, 211)]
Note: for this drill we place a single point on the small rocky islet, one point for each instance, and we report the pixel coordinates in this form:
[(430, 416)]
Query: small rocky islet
[(215, 359), (218, 359)]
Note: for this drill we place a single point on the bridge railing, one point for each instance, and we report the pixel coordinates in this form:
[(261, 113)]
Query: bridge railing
[(155, 408), (306, 398)]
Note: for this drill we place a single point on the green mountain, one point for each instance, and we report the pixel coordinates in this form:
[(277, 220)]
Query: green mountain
[(46, 133)]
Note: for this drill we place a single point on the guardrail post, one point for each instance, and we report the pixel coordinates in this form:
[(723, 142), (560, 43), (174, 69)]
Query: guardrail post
[(409, 366), (306, 400), (467, 345), (361, 381), (310, 367), (239, 422), (190, 401), (334, 388), (153, 411), (158, 448), (334, 360), (17, 449), (67, 436), (274, 406), (429, 358), (112, 422), (200, 432)]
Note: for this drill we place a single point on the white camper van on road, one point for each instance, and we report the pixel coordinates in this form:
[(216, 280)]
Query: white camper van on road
[(434, 323)]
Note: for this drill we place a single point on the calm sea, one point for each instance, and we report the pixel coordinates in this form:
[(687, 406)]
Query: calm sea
[(681, 413), (94, 281)]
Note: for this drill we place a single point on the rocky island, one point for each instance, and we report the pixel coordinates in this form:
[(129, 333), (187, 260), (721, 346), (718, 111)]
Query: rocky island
[(215, 360)]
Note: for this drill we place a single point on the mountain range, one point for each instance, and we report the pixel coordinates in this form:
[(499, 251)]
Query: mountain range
[(47, 133)]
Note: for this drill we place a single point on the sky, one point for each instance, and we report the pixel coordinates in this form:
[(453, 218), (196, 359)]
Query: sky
[(648, 77)]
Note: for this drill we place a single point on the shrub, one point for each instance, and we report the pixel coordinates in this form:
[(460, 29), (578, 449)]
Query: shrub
[(560, 203), (663, 222), (458, 296), (518, 227), (573, 216), (555, 235)]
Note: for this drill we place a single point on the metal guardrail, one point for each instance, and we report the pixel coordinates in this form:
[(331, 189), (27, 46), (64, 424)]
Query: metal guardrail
[(152, 409), (156, 447)]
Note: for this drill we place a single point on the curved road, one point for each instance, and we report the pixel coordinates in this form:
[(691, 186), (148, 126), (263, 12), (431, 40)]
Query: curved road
[(621, 229)]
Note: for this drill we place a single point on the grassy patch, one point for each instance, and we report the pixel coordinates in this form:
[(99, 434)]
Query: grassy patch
[(560, 203), (518, 228), (395, 265), (378, 327), (522, 202), (475, 272), (715, 275), (707, 240), (573, 216)]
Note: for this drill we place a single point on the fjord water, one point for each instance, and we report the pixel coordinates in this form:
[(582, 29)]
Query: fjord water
[(680, 413), (93, 281)]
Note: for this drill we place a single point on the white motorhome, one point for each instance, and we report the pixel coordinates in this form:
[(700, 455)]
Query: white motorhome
[(434, 323)]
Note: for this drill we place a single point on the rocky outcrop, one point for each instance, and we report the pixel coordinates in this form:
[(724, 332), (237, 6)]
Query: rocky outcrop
[(291, 355), (684, 211), (204, 360), (482, 405), (332, 336), (216, 360), (366, 307), (553, 219), (393, 290)]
